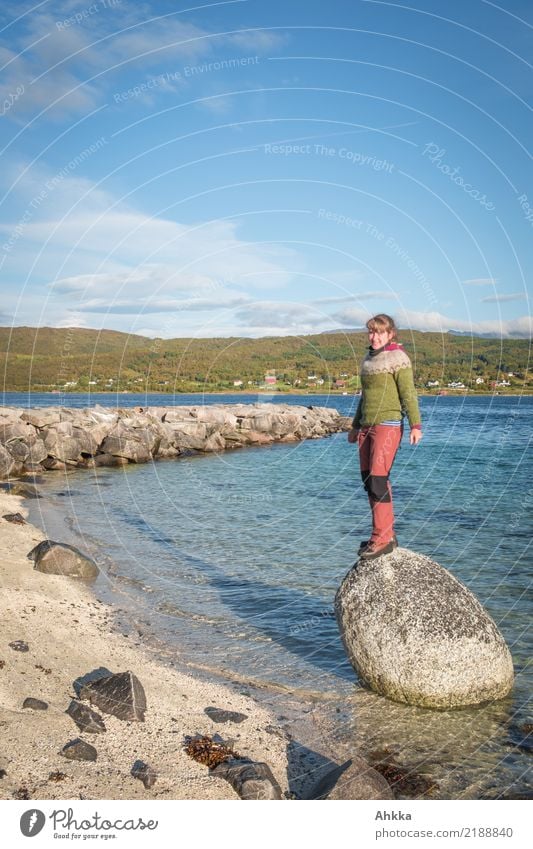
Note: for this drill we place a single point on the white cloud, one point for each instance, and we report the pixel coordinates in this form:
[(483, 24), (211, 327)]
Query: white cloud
[(517, 296), (281, 314), (158, 305), (358, 296), (438, 323), (480, 281)]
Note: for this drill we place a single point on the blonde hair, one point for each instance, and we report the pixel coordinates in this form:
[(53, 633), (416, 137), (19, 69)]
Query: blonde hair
[(382, 321)]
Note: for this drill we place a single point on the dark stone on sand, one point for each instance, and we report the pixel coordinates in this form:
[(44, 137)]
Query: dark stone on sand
[(251, 780), (86, 719), (144, 773), (354, 779), (58, 558), (19, 645), (14, 518), (220, 715), (122, 695), (34, 704), (79, 750)]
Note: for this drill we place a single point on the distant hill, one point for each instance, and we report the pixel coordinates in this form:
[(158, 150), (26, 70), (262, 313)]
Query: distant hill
[(76, 358)]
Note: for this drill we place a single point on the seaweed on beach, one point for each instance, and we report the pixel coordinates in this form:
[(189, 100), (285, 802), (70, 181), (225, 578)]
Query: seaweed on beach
[(206, 751), (403, 780), (22, 793)]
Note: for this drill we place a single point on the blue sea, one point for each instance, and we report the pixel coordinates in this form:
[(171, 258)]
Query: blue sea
[(230, 563)]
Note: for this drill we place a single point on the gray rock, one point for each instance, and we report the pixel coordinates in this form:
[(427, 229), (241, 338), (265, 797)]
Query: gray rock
[(6, 462), (144, 773), (19, 645), (18, 450), (251, 780), (34, 704), (86, 719), (58, 558), (79, 750), (16, 430), (220, 715), (354, 779), (89, 438), (121, 695), (37, 452), (127, 448), (414, 633), (53, 465), (41, 418), (109, 460), (61, 446)]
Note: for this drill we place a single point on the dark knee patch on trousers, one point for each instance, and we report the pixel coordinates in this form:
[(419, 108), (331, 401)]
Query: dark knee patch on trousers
[(365, 475), (376, 486)]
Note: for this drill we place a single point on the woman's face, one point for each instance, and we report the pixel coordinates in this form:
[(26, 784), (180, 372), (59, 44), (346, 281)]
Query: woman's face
[(378, 337)]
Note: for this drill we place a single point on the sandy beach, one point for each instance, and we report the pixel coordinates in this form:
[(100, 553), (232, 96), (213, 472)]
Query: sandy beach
[(69, 634)]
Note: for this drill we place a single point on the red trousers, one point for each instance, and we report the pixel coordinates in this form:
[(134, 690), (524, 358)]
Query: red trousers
[(377, 449)]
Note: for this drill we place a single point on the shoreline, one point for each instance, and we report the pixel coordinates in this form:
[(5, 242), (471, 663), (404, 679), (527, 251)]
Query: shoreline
[(450, 393), (70, 633)]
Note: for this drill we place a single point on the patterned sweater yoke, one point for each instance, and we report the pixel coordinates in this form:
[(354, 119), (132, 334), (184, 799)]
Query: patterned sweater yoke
[(388, 361), (388, 390)]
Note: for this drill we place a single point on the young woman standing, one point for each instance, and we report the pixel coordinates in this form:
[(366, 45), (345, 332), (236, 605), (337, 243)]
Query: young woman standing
[(388, 394)]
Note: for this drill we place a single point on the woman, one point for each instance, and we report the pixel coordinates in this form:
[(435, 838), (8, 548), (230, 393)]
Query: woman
[(388, 393)]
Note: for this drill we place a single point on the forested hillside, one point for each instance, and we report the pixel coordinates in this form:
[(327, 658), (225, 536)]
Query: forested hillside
[(73, 359)]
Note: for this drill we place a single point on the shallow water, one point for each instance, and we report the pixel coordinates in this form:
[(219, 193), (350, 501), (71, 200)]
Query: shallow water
[(234, 560)]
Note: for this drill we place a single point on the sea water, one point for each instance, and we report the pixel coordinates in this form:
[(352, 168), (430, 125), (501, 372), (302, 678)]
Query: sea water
[(232, 562)]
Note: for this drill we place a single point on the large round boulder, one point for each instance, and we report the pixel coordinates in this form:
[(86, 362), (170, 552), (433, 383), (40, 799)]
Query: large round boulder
[(59, 558), (415, 634)]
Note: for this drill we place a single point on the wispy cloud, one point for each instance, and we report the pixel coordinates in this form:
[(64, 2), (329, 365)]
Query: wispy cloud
[(358, 296), (145, 306), (480, 281), (70, 63), (517, 296), (281, 314)]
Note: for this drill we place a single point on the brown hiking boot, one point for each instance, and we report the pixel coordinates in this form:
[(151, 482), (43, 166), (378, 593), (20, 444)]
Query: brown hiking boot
[(372, 551), (366, 542)]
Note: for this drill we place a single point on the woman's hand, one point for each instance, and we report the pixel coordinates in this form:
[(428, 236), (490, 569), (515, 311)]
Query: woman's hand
[(415, 436), (353, 434)]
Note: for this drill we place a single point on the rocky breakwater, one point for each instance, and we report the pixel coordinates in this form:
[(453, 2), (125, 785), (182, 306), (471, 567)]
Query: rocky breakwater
[(414, 633), (57, 438)]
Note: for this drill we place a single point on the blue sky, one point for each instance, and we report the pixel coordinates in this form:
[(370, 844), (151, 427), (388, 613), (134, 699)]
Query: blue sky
[(250, 169)]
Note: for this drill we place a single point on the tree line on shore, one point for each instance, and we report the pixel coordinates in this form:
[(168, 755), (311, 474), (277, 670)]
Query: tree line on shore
[(78, 359)]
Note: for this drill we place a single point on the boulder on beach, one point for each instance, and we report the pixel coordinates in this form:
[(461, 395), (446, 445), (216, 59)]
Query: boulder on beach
[(415, 634), (58, 558), (121, 695)]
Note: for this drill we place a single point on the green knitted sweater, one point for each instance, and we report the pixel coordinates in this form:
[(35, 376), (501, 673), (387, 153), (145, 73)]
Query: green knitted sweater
[(388, 388)]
